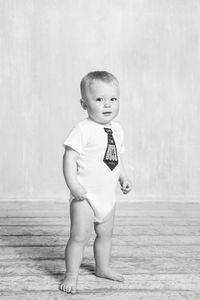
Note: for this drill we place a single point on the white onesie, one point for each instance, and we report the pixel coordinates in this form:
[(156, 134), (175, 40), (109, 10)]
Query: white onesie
[(90, 140)]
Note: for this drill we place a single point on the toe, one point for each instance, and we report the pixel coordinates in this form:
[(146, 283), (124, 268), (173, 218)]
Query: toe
[(63, 288), (73, 290), (66, 288)]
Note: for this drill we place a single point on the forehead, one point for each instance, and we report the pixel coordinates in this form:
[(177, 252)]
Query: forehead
[(99, 86)]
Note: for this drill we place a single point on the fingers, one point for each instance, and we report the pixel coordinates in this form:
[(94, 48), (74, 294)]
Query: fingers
[(125, 191), (126, 188), (82, 197)]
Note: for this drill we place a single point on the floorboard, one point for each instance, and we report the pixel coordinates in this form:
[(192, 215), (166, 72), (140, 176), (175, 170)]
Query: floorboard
[(156, 245)]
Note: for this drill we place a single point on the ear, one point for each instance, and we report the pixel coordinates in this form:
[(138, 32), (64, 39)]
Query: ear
[(83, 104)]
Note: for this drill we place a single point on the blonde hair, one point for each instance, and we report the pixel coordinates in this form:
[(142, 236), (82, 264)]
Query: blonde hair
[(96, 75)]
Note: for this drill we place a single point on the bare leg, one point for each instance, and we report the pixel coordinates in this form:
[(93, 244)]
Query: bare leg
[(102, 249), (82, 218)]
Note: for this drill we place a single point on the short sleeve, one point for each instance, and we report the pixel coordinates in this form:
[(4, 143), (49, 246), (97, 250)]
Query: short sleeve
[(75, 139), (122, 148)]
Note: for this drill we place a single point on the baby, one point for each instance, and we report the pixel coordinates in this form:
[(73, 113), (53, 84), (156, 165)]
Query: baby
[(92, 166)]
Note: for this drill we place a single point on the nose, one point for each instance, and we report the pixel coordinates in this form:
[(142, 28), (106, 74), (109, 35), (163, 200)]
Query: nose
[(107, 103)]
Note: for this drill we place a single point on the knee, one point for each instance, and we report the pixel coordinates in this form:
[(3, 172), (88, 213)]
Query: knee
[(80, 238), (105, 234)]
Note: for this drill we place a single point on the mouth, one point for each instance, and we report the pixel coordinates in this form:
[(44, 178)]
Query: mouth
[(107, 113)]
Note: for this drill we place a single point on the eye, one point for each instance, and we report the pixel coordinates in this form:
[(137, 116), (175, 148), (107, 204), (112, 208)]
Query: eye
[(99, 99), (113, 99)]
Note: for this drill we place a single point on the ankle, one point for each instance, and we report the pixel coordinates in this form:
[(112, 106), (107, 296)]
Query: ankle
[(102, 268), (71, 274)]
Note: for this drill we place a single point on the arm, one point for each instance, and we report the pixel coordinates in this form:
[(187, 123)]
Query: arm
[(70, 173), (124, 181)]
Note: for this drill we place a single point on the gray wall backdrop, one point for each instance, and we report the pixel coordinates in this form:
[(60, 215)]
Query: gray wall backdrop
[(152, 46)]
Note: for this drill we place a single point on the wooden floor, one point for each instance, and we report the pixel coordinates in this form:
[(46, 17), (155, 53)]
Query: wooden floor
[(155, 245)]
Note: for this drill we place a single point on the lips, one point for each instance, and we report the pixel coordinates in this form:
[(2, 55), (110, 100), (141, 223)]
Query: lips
[(107, 113)]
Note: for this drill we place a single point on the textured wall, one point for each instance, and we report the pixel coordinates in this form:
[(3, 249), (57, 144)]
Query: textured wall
[(152, 47)]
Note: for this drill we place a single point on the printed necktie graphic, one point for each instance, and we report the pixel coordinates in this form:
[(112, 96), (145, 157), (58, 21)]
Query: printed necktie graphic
[(110, 157)]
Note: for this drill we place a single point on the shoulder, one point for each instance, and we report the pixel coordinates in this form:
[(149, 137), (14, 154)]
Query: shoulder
[(77, 137), (118, 131), (83, 125)]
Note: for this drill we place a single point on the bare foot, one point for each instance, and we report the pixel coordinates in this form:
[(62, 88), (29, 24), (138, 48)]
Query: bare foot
[(109, 274), (69, 284)]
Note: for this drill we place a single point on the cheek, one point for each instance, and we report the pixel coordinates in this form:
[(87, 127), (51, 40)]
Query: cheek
[(117, 107), (93, 110)]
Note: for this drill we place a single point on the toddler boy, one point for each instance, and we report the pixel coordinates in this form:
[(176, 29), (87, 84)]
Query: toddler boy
[(92, 166)]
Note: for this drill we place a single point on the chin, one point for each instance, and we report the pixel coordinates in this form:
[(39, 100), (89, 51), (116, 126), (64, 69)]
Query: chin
[(106, 122)]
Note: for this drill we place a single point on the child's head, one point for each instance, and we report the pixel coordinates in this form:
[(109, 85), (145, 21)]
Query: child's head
[(100, 96)]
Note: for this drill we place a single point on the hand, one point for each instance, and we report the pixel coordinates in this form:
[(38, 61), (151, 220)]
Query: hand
[(80, 197), (126, 185), (79, 193)]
